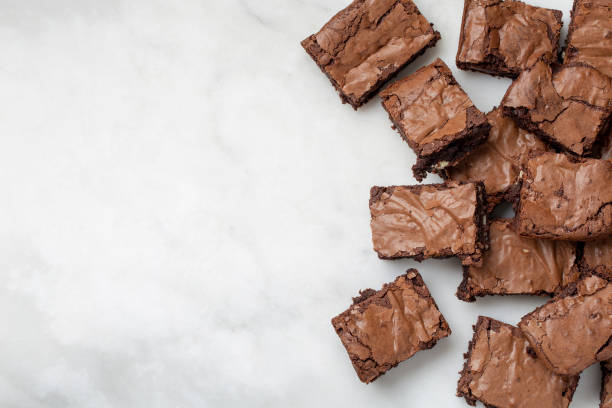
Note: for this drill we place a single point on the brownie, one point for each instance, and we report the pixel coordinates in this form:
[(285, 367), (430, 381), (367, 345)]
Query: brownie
[(367, 43), (568, 106), (383, 328), (597, 256), (498, 161), (429, 221), (435, 117), (589, 39), (501, 370), (503, 38), (573, 331), (606, 384), (565, 198), (514, 265)]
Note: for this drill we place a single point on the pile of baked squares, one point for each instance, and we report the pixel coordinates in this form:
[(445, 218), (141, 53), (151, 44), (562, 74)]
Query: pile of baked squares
[(546, 150)]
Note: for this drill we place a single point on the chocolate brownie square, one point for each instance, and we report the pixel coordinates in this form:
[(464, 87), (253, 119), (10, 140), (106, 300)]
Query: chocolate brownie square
[(566, 198), (429, 221), (568, 106), (573, 331), (515, 265), (367, 43), (606, 384), (501, 370), (503, 38), (383, 328), (498, 161), (597, 256), (589, 39), (435, 117)]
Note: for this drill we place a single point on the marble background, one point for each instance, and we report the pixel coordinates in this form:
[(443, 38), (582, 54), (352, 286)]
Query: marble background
[(184, 208)]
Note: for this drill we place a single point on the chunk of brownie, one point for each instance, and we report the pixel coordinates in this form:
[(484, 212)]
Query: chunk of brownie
[(501, 370), (497, 162), (367, 43), (606, 384), (573, 331), (435, 117), (504, 37), (568, 106), (589, 39), (597, 256), (514, 265), (383, 328), (566, 198), (429, 221)]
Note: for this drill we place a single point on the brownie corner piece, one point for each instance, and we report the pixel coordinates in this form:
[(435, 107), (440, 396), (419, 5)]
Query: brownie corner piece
[(430, 221), (492, 29), (572, 331), (517, 378), (568, 106), (435, 116), (367, 43), (375, 339), (563, 197)]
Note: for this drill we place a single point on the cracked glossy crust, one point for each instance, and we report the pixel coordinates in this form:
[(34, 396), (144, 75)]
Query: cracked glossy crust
[(480, 220), (369, 369), (485, 325), (531, 101), (323, 58), (494, 63)]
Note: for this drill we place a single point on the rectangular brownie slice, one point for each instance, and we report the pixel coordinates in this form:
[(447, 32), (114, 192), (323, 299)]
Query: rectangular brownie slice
[(606, 385), (498, 161), (367, 43), (429, 221), (503, 38), (435, 117), (568, 106), (589, 39), (383, 328), (515, 265), (573, 331), (502, 371), (565, 198), (597, 256)]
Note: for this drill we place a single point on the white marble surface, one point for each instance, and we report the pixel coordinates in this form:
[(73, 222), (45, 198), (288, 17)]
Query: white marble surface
[(184, 208)]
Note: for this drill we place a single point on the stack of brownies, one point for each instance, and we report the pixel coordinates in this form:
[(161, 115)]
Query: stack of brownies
[(545, 150)]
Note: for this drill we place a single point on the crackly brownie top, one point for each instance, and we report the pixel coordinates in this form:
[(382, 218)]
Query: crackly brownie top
[(388, 326), (429, 218), (514, 264), (429, 106), (598, 253), (509, 31), (570, 105), (572, 332), (562, 197), (369, 38), (590, 35), (498, 161), (502, 372)]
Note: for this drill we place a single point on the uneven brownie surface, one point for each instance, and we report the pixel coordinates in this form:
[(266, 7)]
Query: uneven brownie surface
[(606, 384), (573, 331), (502, 371), (518, 265), (497, 162), (505, 37), (589, 38), (383, 328), (565, 198), (597, 255), (428, 221), (368, 42), (568, 106), (435, 117)]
